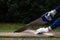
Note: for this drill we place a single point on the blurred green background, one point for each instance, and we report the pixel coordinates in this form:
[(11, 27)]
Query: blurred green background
[(25, 11)]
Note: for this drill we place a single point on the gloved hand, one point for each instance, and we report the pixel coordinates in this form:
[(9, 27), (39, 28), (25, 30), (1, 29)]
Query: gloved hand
[(41, 30), (47, 17)]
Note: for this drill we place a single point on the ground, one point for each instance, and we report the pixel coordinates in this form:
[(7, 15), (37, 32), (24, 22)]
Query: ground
[(11, 27)]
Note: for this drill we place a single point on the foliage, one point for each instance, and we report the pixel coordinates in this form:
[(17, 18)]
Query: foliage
[(24, 11)]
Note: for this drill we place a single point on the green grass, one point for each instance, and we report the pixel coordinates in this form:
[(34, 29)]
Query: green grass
[(11, 27), (29, 38)]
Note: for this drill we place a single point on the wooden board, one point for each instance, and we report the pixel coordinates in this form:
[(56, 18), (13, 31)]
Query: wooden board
[(29, 34), (21, 35)]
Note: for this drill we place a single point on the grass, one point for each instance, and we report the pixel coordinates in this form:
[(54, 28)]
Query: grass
[(29, 38), (11, 27)]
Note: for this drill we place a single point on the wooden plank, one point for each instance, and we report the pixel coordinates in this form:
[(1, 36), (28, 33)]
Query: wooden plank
[(28, 35), (21, 35)]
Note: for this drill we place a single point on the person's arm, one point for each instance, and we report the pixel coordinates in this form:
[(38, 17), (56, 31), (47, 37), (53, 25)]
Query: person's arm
[(48, 16)]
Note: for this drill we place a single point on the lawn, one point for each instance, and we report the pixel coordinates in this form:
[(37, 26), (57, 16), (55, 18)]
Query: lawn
[(11, 27)]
